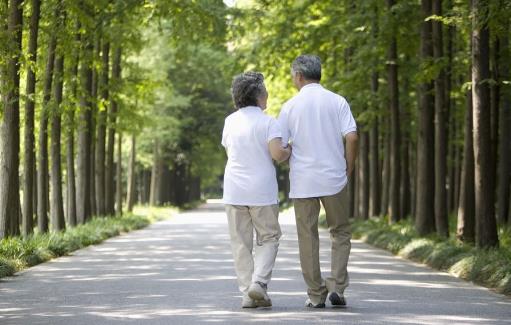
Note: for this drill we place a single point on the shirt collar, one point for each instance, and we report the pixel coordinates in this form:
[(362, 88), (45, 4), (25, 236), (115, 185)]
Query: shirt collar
[(311, 85), (251, 108)]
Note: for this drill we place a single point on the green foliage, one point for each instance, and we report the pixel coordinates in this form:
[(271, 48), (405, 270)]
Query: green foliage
[(19, 253), (491, 268)]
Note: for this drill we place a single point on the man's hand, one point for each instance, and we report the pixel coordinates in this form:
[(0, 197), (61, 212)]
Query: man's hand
[(351, 152)]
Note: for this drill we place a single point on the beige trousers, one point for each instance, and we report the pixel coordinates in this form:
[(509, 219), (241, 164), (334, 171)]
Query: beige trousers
[(243, 220), (307, 213)]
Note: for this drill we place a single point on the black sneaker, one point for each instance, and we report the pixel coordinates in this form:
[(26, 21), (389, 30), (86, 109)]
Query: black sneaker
[(337, 299), (309, 304)]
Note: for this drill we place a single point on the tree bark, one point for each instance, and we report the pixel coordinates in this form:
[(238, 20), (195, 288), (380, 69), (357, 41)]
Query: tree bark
[(424, 220), (112, 115), (42, 168), (101, 126), (118, 176), (9, 127), (466, 214), (56, 206), (29, 165), (374, 161), (83, 209), (155, 175), (486, 228), (364, 176), (505, 134), (130, 197), (384, 209), (441, 219), (395, 147)]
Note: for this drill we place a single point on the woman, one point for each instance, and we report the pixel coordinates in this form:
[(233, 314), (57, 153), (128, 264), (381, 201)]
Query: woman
[(251, 139)]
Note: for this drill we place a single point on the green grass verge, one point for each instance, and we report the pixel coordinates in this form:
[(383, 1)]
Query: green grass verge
[(487, 267), (18, 253)]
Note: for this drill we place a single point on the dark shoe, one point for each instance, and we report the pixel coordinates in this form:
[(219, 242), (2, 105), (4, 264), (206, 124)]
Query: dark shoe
[(309, 304), (337, 299)]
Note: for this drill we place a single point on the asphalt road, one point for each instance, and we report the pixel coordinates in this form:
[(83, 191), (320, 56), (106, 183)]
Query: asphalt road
[(180, 271)]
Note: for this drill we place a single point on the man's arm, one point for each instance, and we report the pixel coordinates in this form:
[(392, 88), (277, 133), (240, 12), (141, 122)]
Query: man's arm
[(351, 151)]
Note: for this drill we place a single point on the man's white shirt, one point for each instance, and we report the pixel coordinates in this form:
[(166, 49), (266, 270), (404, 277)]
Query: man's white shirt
[(315, 122), (250, 178)]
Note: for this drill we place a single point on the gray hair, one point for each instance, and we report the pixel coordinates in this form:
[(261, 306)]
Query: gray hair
[(308, 65), (247, 88)]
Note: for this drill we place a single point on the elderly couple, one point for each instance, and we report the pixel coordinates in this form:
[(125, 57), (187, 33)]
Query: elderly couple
[(309, 132)]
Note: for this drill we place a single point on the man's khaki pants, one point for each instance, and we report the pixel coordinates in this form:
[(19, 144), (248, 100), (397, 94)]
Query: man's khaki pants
[(242, 222), (307, 213)]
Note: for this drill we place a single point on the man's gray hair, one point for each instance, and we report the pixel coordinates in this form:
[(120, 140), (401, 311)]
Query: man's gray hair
[(246, 88), (309, 66)]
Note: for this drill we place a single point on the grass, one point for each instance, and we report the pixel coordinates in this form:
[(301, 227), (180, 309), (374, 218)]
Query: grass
[(487, 267), (18, 253)]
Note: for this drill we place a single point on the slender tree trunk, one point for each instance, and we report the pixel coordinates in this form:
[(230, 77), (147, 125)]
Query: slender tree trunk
[(130, 198), (112, 115), (29, 165), (56, 207), (424, 220), (395, 147), (466, 214), (155, 174), (42, 168), (100, 144), (441, 220), (9, 126), (494, 109), (94, 110), (374, 161), (486, 228), (452, 132), (70, 152), (83, 210), (384, 209), (364, 176), (505, 134), (118, 176)]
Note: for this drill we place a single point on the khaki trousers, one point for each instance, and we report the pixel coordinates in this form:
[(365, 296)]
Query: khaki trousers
[(243, 220), (307, 213)]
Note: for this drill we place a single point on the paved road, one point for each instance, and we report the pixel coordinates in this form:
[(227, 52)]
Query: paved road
[(180, 271)]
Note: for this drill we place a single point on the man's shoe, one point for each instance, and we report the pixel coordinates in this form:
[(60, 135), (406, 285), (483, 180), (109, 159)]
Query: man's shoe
[(337, 299), (247, 302), (257, 291), (309, 304)]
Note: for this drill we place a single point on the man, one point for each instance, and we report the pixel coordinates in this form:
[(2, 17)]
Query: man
[(315, 121)]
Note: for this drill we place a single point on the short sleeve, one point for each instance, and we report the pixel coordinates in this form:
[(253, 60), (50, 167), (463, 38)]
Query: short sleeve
[(224, 135), (274, 130), (284, 125), (347, 122)]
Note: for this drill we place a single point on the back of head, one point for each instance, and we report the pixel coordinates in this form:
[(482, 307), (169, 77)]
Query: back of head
[(309, 66), (246, 88)]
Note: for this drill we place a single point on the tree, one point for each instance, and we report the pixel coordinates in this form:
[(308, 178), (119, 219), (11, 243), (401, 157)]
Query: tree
[(486, 229)]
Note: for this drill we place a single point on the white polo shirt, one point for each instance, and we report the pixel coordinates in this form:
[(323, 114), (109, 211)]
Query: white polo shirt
[(315, 121), (250, 178)]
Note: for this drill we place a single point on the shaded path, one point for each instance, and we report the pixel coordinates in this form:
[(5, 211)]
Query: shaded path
[(180, 271)]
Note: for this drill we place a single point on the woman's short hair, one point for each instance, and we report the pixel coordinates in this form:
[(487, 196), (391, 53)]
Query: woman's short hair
[(246, 88)]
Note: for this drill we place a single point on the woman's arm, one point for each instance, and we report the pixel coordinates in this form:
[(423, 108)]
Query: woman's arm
[(278, 153)]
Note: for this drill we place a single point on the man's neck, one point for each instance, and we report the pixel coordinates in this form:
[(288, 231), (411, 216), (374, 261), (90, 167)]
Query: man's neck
[(308, 82)]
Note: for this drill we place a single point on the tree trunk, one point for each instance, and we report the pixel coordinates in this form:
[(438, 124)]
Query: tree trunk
[(42, 168), (29, 165), (505, 134), (374, 160), (424, 219), (112, 115), (486, 228), (9, 127), (101, 126), (84, 130), (466, 214), (395, 147), (94, 114), (384, 209), (155, 175), (56, 207), (70, 152), (130, 198), (118, 176), (441, 220), (364, 176)]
